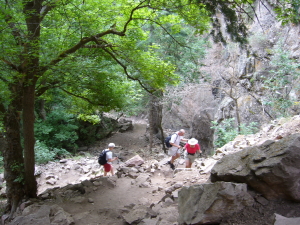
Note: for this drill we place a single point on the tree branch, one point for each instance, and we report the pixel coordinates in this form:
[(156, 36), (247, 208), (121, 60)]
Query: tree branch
[(41, 90), (47, 8), (10, 64), (81, 97), (82, 43), (15, 31), (126, 72)]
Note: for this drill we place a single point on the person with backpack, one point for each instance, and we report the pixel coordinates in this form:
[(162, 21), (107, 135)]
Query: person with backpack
[(109, 159), (175, 150), (192, 147)]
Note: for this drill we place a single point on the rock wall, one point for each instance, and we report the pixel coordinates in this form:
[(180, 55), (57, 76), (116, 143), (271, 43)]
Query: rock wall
[(234, 73)]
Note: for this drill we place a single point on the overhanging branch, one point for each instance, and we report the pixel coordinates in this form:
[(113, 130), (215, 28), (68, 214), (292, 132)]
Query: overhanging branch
[(81, 97), (126, 72)]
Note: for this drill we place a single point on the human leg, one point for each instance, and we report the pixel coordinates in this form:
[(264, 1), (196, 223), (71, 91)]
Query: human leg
[(107, 168), (112, 170), (188, 164), (174, 153), (173, 158), (191, 159)]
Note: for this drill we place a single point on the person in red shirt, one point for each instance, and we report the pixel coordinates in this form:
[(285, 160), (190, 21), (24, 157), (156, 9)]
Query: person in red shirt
[(192, 147)]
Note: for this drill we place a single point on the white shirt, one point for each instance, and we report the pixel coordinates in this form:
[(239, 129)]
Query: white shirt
[(109, 155), (175, 139)]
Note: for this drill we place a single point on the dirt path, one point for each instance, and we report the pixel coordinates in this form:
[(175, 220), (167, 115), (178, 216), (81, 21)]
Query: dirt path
[(104, 205)]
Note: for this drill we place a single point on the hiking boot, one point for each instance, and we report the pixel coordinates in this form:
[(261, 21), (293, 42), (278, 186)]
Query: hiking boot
[(172, 166)]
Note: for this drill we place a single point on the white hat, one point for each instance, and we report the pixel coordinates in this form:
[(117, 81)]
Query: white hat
[(193, 141), (111, 145)]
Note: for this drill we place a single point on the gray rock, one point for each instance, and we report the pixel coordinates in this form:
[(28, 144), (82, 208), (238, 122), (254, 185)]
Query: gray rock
[(210, 203), (47, 215), (281, 220), (272, 168), (134, 161), (135, 215)]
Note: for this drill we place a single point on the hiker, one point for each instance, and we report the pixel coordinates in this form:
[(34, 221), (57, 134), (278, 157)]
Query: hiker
[(192, 147), (109, 157), (175, 150)]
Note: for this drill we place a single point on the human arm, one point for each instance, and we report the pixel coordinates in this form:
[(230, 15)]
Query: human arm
[(199, 149), (175, 140), (184, 140), (112, 159), (175, 145)]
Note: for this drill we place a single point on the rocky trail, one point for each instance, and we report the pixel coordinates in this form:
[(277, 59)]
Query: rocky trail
[(144, 189), (76, 188)]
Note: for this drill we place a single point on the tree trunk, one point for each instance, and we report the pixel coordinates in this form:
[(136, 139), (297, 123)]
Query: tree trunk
[(155, 118), (42, 112), (31, 70), (237, 114), (150, 119), (13, 154), (29, 140)]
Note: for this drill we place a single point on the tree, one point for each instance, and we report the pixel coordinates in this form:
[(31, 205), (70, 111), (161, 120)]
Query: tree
[(46, 44), (83, 48), (281, 82)]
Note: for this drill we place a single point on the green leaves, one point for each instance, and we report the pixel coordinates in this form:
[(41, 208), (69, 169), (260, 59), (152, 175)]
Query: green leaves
[(288, 11), (226, 131), (281, 81)]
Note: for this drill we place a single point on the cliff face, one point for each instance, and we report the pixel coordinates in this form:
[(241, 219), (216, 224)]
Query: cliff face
[(235, 88)]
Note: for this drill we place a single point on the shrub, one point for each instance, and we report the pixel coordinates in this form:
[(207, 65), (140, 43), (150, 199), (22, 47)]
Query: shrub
[(227, 131), (43, 154), (58, 131)]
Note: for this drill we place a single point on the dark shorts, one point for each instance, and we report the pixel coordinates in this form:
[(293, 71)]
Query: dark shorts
[(107, 167)]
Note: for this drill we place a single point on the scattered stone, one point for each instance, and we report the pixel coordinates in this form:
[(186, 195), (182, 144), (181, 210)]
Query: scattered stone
[(281, 220), (63, 160), (51, 181), (134, 161)]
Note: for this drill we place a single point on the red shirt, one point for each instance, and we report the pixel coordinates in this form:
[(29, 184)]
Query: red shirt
[(192, 150)]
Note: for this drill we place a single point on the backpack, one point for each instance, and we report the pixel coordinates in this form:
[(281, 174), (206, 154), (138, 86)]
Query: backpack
[(167, 141), (102, 157)]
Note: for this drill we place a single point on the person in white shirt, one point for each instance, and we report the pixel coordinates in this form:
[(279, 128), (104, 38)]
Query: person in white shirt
[(175, 150), (109, 157)]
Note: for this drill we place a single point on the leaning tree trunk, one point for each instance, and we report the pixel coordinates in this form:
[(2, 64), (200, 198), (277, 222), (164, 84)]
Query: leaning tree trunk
[(13, 155)]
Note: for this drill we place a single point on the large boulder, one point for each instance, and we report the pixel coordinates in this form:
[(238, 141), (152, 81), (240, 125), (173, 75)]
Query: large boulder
[(272, 168), (211, 202), (43, 215), (201, 130)]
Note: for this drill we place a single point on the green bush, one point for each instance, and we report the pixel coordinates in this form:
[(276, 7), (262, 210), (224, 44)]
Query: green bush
[(58, 130), (281, 82), (224, 132), (1, 164), (227, 131), (43, 154)]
